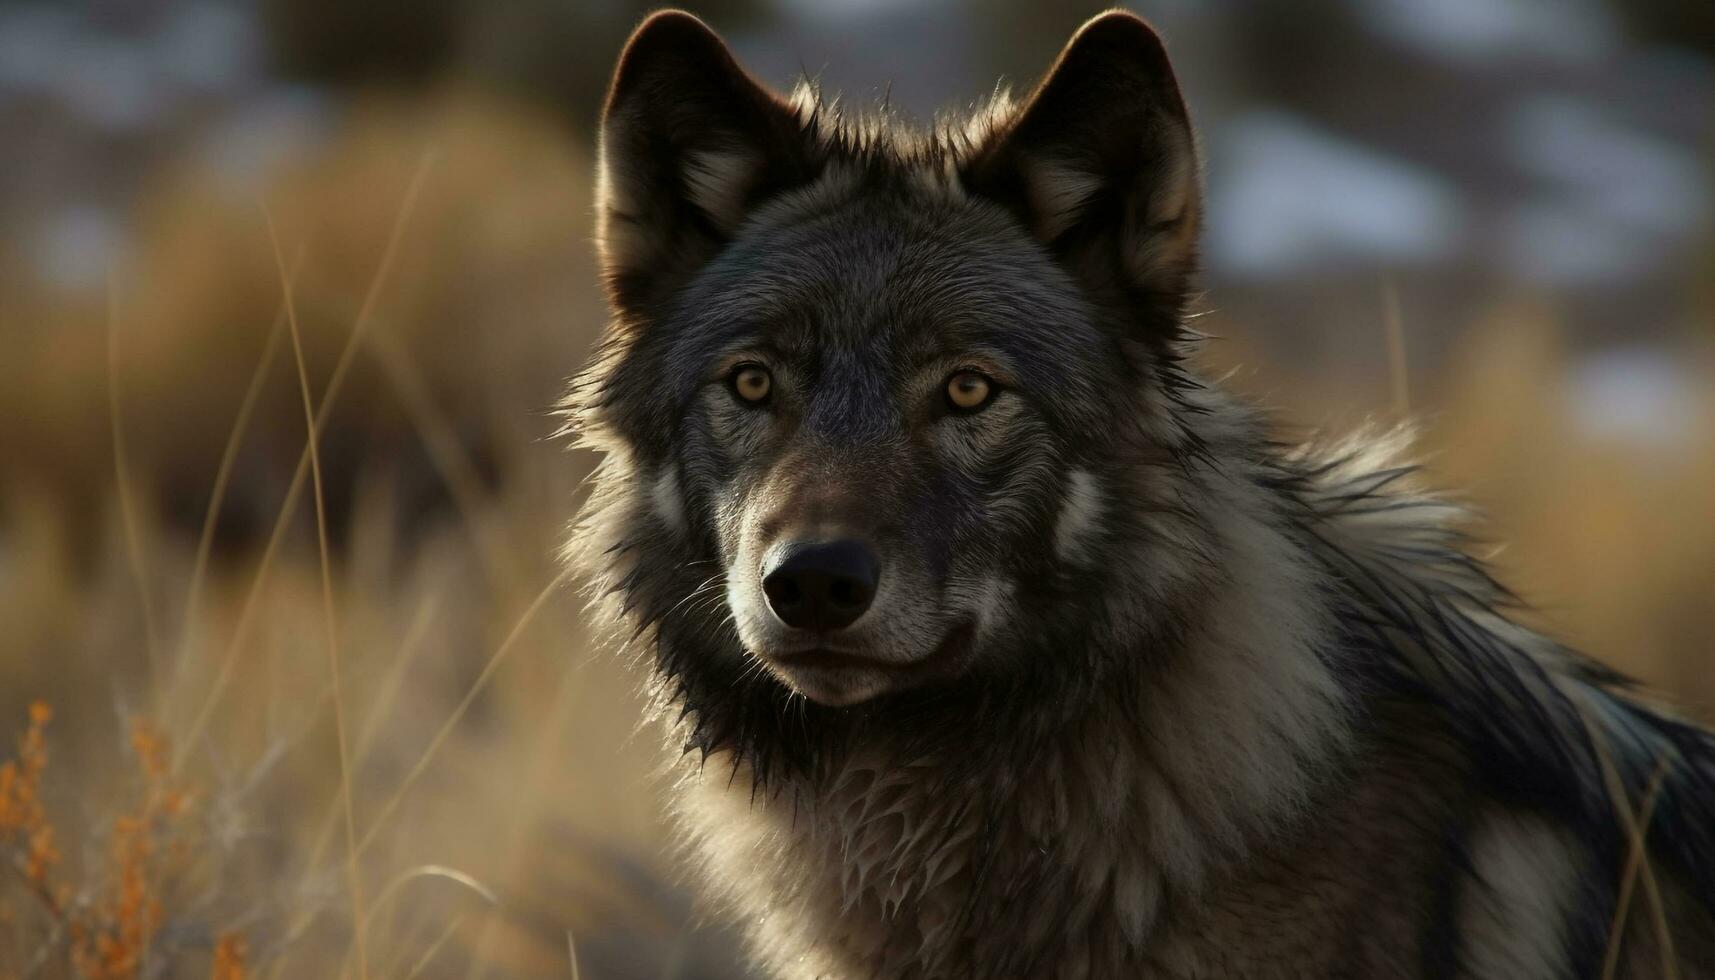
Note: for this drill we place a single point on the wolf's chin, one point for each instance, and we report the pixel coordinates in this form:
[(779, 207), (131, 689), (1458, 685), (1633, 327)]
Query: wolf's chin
[(835, 687), (840, 679)]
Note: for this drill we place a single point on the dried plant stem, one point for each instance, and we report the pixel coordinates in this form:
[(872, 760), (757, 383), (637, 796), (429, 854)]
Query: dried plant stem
[(1635, 858), (127, 494), (229, 456), (477, 686), (354, 879), (1638, 859)]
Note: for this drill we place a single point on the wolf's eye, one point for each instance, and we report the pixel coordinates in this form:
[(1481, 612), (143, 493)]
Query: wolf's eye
[(752, 383), (968, 391)]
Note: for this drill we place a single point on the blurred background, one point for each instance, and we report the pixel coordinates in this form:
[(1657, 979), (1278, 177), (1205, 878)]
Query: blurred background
[(1495, 215)]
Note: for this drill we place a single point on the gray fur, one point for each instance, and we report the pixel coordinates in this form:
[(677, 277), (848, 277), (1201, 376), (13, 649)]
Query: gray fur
[(1152, 694)]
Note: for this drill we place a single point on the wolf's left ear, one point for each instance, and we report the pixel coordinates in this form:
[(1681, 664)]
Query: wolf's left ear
[(1101, 165), (689, 143)]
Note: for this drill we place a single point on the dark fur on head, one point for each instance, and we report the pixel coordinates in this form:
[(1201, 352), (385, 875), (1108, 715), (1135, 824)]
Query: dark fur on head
[(694, 148)]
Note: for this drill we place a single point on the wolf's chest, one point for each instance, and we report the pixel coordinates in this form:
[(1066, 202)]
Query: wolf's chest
[(881, 876)]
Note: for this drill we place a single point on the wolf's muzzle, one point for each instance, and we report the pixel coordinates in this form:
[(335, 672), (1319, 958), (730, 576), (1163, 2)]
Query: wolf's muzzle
[(820, 586)]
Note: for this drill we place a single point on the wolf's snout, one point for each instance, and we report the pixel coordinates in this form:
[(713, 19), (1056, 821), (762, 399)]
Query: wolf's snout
[(821, 585)]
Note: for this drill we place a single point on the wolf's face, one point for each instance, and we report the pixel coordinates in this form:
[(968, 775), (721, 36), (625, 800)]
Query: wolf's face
[(881, 406), (876, 392)]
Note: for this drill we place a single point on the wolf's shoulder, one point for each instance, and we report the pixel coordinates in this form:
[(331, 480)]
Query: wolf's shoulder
[(1424, 620)]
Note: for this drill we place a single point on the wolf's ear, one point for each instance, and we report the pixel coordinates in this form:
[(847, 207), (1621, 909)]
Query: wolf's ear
[(689, 143), (1101, 165)]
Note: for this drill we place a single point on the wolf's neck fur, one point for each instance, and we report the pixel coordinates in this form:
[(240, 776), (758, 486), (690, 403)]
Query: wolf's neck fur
[(1063, 836)]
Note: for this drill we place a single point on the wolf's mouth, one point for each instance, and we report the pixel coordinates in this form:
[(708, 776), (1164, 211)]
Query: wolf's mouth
[(942, 660)]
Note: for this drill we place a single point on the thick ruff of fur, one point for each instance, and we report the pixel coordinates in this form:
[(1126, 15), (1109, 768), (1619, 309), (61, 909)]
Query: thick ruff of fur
[(1236, 709)]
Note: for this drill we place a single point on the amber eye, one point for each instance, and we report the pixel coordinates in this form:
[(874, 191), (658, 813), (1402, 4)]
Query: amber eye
[(752, 383), (968, 391)]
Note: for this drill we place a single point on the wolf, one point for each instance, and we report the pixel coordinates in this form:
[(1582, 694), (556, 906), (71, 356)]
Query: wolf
[(993, 639)]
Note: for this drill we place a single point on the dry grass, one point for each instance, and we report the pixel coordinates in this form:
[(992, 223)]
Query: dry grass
[(386, 691)]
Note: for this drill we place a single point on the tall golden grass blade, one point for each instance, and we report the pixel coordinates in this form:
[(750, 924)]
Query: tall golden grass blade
[(229, 458), (1629, 822), (476, 688), (450, 460), (128, 515), (354, 878), (441, 871), (1635, 858), (379, 709), (434, 948), (527, 802)]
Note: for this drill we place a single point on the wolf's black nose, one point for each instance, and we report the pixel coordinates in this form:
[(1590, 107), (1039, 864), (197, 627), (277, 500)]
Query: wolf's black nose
[(822, 586)]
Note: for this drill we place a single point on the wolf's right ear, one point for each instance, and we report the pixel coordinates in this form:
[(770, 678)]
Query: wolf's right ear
[(689, 143)]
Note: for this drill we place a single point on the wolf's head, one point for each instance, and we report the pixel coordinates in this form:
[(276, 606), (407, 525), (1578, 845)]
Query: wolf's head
[(889, 411)]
